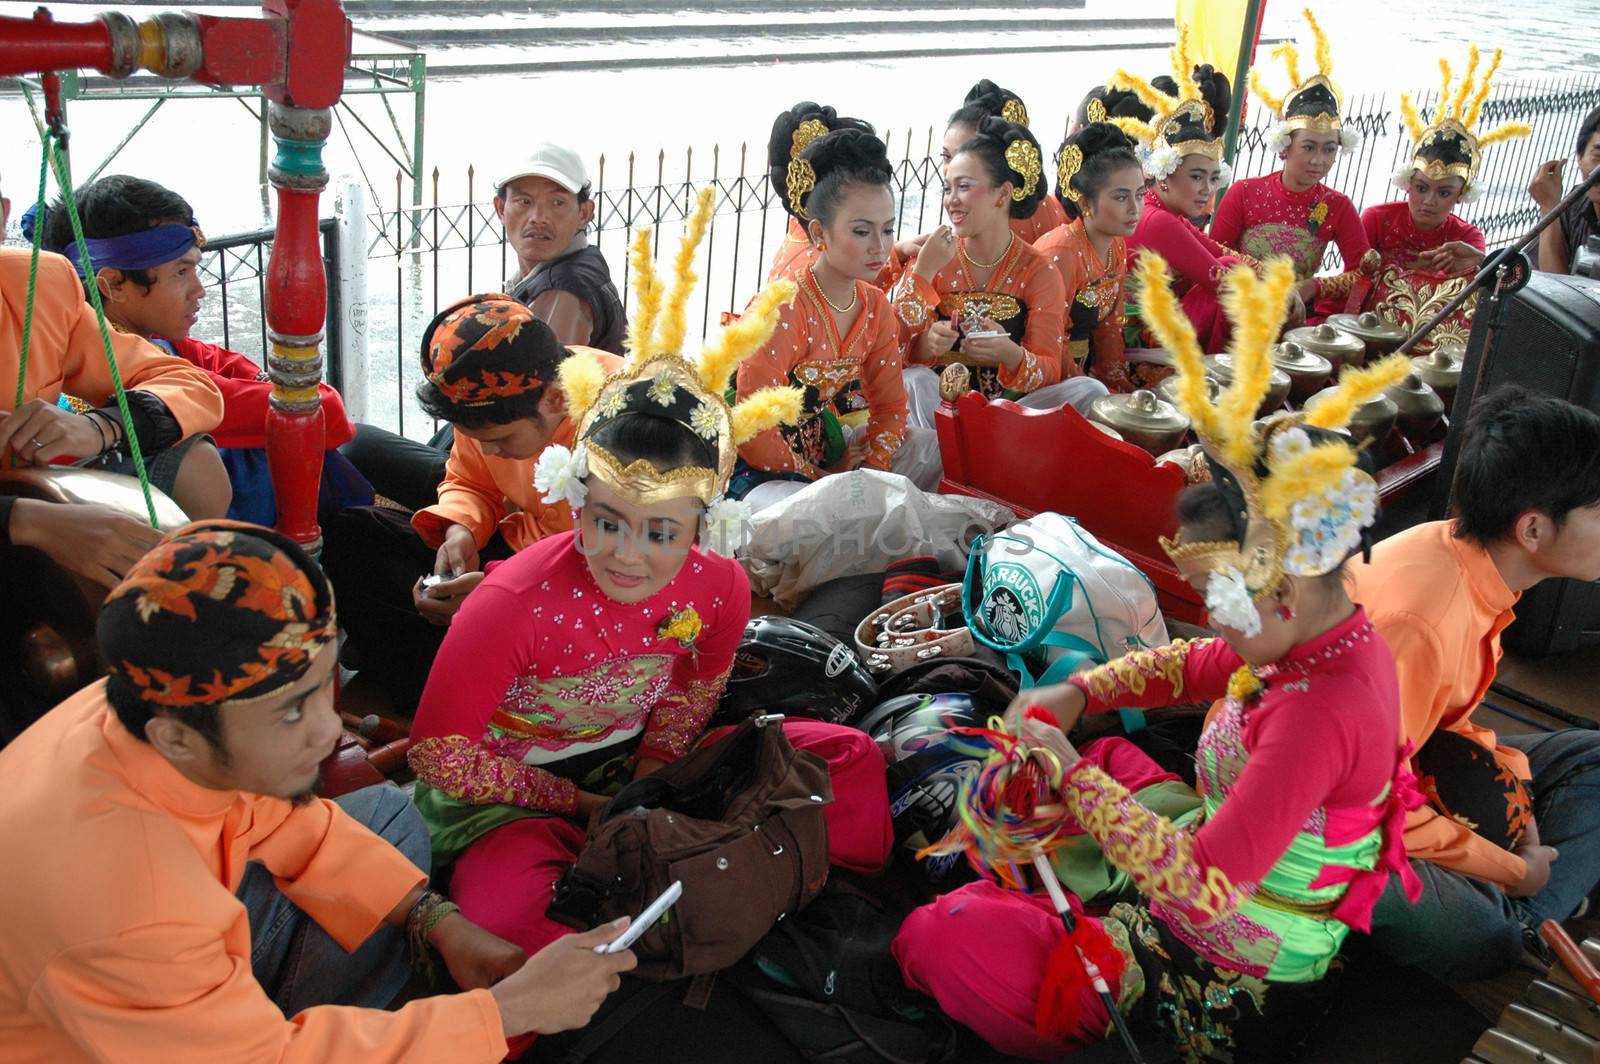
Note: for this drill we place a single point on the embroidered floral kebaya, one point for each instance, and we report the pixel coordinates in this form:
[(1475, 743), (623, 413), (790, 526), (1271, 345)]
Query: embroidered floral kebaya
[(544, 686), (1023, 295)]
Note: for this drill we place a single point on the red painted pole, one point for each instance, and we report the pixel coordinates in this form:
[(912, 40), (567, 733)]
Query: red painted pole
[(34, 45), (297, 53), (297, 307), (318, 44)]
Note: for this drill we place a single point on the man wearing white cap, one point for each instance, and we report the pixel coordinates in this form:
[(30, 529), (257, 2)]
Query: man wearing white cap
[(545, 205)]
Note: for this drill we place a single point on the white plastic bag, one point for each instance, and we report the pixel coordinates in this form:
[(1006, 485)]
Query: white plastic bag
[(859, 522)]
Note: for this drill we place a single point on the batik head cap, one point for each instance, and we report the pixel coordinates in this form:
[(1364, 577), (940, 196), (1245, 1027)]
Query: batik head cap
[(1313, 104), (657, 379), (218, 611), (1303, 502), (1451, 146), (1185, 125), (486, 349)]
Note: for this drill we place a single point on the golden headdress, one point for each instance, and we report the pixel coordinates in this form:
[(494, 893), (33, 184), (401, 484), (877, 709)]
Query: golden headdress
[(1305, 501), (657, 379), (1451, 147), (1185, 125), (1313, 103)]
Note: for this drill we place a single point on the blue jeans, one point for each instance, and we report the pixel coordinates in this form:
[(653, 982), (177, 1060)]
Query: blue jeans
[(295, 961), (1464, 928)]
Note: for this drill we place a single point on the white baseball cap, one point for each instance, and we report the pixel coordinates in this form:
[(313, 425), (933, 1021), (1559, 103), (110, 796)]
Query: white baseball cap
[(552, 161)]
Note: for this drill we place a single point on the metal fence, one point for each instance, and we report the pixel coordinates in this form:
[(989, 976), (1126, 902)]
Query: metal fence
[(440, 252)]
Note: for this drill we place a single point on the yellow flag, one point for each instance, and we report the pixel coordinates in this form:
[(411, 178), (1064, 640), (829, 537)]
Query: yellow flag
[(1215, 28)]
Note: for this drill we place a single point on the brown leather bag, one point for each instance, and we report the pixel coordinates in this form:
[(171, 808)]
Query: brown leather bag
[(739, 822)]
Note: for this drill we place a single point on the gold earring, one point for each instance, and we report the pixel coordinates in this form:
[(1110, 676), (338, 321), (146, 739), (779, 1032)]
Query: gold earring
[(822, 245), (1001, 202)]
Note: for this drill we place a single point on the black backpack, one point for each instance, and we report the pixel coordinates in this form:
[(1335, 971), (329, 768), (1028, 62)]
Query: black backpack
[(821, 986), (827, 980)]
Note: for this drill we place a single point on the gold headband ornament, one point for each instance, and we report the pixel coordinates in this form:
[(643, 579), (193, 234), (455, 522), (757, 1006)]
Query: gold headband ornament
[(657, 380), (1450, 147), (1313, 104), (1305, 514), (1179, 127)]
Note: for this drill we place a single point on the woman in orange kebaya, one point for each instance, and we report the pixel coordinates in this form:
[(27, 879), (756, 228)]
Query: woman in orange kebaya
[(1100, 185), (838, 342), (986, 99), (980, 295), (792, 132)]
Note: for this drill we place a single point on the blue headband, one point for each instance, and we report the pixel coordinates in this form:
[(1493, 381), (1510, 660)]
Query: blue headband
[(137, 251)]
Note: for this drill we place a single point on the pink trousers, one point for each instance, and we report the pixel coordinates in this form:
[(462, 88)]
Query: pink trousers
[(504, 881)]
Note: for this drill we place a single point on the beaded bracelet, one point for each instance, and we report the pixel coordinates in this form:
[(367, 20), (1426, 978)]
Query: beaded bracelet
[(426, 914)]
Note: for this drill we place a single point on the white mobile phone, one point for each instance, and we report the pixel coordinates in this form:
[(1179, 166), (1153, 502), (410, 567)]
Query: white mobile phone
[(645, 920), (433, 580)]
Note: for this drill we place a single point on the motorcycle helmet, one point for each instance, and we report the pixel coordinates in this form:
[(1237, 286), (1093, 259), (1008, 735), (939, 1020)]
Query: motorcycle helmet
[(788, 666), (927, 767)]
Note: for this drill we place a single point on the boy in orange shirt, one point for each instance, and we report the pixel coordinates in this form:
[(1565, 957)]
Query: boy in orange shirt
[(137, 928), (1527, 509), (489, 366), (172, 404)]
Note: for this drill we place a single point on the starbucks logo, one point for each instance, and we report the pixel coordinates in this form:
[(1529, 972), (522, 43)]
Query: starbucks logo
[(1012, 607)]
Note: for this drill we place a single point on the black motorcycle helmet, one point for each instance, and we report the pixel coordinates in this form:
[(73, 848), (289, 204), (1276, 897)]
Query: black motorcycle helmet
[(787, 666), (926, 770)]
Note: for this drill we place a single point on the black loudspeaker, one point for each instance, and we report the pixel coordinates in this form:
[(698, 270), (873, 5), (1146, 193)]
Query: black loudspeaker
[(1545, 338)]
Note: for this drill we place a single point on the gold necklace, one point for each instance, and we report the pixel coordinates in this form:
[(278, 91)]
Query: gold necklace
[(847, 308), (986, 265)]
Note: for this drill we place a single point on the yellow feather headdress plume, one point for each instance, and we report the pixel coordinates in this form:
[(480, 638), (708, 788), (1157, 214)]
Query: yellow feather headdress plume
[(1306, 502), (1324, 52), (657, 379), (1452, 146), (1185, 120), (1291, 60), (1312, 103)]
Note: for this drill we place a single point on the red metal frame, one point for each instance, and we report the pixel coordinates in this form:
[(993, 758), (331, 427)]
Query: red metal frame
[(296, 51)]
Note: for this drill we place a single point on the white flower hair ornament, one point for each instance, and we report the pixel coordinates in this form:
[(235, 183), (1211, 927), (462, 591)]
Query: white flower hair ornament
[(1224, 172), (726, 526), (1161, 162), (1229, 602), (1278, 140), (1401, 178), (1472, 192), (559, 474), (1350, 139)]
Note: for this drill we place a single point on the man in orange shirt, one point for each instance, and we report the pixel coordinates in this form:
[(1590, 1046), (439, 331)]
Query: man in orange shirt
[(173, 405), (490, 371), (1527, 509), (142, 803)]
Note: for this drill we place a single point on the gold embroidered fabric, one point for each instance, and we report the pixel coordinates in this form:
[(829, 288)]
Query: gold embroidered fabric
[(1152, 849), (1132, 673)]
